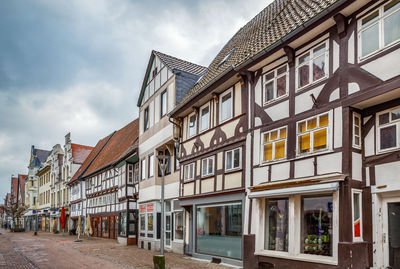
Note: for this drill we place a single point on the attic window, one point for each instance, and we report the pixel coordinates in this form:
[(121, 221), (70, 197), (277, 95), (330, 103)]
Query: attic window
[(226, 58), (155, 72)]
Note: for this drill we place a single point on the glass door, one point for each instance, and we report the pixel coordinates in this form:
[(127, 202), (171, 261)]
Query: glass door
[(168, 226), (394, 234)]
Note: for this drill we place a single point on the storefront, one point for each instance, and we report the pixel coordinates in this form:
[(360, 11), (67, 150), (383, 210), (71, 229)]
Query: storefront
[(297, 223), (150, 226), (105, 226), (214, 228)]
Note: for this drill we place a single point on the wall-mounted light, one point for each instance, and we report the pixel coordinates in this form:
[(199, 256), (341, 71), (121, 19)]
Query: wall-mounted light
[(196, 110), (215, 97), (241, 80)]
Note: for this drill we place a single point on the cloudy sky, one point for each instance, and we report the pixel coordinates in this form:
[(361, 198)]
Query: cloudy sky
[(77, 66)]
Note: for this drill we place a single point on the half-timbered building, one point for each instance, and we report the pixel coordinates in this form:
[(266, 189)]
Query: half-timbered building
[(111, 185), (166, 81), (321, 88)]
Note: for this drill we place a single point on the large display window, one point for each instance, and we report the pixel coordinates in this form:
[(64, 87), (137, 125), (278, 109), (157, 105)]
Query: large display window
[(219, 230), (277, 224)]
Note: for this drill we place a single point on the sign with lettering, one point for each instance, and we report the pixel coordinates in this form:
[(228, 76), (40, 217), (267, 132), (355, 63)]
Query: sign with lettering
[(150, 207)]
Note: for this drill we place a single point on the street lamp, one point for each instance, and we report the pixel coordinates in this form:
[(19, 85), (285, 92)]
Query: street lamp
[(163, 163)]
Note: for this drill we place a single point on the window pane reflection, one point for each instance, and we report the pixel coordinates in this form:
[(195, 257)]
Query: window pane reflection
[(276, 228)]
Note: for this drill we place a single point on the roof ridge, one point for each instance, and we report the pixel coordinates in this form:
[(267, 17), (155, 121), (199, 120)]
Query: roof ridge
[(176, 58)]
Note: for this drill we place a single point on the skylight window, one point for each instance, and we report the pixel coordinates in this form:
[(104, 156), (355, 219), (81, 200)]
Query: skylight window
[(226, 58)]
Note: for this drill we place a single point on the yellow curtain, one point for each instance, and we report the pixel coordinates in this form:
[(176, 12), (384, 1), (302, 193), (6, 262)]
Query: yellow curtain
[(311, 124), (282, 133), (280, 150), (320, 139), (323, 120), (274, 135), (304, 143), (268, 152)]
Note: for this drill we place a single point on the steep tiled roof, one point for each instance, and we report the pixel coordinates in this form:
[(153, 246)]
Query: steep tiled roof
[(176, 63), (42, 154), (80, 153), (272, 24), (14, 187), (116, 147), (89, 159)]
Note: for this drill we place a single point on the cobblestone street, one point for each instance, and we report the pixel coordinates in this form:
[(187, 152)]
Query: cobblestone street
[(24, 250)]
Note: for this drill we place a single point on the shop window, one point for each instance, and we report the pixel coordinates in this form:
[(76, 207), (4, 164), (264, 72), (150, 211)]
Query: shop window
[(188, 172), (357, 215), (312, 65), (388, 124), (142, 222), (274, 145), (276, 84), (233, 159), (277, 224), (312, 134), (356, 131), (192, 126), (316, 226), (150, 217), (204, 118), (379, 29), (207, 166), (226, 106), (219, 230), (105, 227), (178, 225), (122, 226)]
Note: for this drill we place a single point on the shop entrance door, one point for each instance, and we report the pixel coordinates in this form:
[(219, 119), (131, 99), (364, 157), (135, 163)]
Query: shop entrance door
[(392, 233), (168, 227)]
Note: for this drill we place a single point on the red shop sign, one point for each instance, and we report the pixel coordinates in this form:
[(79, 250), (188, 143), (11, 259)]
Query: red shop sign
[(142, 208), (150, 207)]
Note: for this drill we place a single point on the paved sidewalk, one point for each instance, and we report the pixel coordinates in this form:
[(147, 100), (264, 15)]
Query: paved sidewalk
[(24, 250)]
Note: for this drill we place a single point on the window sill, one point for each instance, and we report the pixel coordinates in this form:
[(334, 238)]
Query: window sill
[(299, 257), (315, 153), (233, 170), (380, 152), (314, 83), (271, 102), (207, 176), (264, 163)]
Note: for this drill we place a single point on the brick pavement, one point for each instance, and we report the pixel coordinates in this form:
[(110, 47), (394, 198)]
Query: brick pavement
[(23, 250)]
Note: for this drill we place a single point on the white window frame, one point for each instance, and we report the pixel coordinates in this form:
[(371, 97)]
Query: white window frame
[(151, 165), (294, 252), (273, 144), (195, 125), (230, 91), (275, 79), (380, 21), (174, 232), (328, 134), (163, 106), (207, 166), (233, 159), (356, 116), (186, 172), (143, 169), (390, 123), (310, 63), (201, 129), (356, 239)]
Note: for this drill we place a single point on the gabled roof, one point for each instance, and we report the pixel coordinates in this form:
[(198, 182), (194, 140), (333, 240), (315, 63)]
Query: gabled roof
[(176, 63), (80, 153), (115, 148), (109, 150), (172, 63), (272, 24), (89, 159)]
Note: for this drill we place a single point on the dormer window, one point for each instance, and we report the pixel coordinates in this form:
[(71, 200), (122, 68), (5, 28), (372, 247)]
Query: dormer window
[(226, 58)]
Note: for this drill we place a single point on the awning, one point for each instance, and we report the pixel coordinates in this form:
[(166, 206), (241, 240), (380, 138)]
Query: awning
[(326, 187)]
